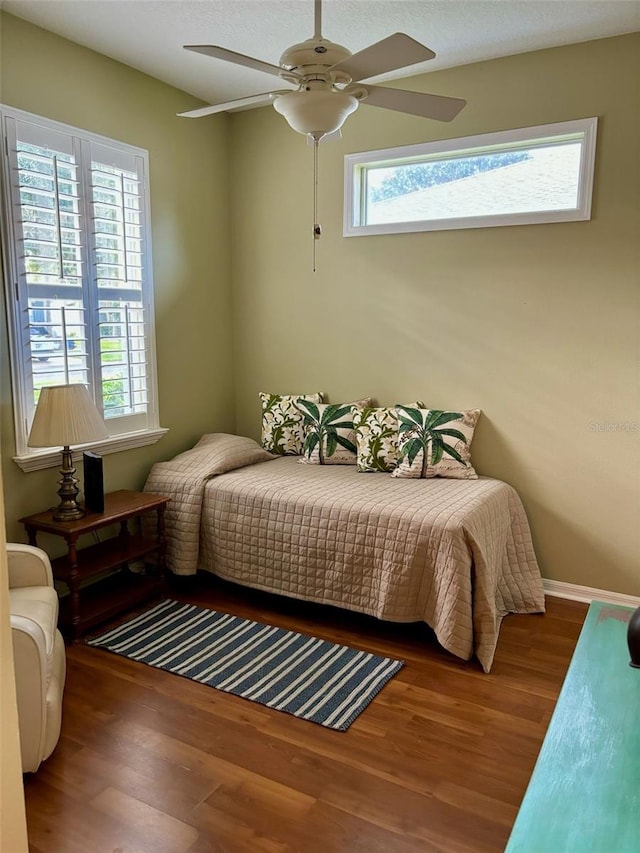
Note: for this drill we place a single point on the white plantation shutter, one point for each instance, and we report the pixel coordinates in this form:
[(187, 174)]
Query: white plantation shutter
[(78, 282), (118, 246)]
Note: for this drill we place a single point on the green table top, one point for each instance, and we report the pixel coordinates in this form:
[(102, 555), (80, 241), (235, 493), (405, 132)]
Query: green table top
[(584, 794)]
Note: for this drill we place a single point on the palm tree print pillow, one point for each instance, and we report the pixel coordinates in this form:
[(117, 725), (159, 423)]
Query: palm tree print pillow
[(435, 443), (282, 427), (377, 437), (329, 434)]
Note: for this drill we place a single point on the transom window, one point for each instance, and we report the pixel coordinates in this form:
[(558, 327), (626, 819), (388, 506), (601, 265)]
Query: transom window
[(78, 277), (516, 177)]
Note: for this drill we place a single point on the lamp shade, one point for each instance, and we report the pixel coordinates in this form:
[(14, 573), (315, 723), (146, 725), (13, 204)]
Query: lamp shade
[(66, 415)]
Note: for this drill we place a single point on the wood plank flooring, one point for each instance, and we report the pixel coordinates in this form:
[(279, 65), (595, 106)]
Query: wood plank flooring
[(440, 761)]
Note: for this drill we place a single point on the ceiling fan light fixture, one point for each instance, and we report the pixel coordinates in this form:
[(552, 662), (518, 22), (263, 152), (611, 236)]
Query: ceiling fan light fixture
[(316, 112)]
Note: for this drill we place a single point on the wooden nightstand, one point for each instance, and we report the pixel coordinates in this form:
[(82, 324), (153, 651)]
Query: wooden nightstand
[(118, 589)]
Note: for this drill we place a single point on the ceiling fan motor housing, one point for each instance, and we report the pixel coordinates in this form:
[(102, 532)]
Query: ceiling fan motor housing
[(314, 57)]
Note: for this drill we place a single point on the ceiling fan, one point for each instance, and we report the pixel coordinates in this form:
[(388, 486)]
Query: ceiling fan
[(327, 79)]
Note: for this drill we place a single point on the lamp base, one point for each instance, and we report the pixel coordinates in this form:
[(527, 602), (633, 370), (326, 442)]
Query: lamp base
[(68, 509), (68, 513)]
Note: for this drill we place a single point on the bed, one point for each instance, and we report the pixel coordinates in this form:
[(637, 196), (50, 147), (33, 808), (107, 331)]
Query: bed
[(456, 554)]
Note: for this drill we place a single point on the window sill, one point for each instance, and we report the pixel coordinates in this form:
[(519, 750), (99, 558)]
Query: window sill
[(50, 458)]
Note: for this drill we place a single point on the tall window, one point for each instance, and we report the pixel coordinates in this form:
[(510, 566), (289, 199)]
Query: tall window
[(513, 177), (78, 274)]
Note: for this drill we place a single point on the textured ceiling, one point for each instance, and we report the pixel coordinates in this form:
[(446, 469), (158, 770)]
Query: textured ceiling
[(149, 34)]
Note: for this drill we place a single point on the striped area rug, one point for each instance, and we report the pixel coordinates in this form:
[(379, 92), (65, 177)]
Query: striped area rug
[(302, 675)]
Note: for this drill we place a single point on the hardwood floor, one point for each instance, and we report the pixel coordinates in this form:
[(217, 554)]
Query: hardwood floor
[(440, 760)]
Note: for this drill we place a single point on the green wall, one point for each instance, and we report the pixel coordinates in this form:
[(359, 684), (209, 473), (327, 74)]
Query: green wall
[(52, 77), (537, 325)]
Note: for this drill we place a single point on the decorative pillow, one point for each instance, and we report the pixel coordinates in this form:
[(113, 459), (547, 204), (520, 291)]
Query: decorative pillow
[(329, 435), (282, 428), (434, 443), (377, 437)]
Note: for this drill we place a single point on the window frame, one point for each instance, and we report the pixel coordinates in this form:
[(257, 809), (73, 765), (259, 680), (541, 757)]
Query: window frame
[(505, 140), (30, 459)]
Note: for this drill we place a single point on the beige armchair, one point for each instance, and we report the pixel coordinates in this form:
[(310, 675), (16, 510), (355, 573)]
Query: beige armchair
[(38, 652)]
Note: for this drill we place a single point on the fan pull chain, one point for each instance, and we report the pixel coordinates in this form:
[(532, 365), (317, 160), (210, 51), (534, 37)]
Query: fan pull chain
[(317, 230)]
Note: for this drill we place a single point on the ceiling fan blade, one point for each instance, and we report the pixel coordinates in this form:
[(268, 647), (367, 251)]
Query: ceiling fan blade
[(264, 98), (238, 58), (438, 107), (396, 51)]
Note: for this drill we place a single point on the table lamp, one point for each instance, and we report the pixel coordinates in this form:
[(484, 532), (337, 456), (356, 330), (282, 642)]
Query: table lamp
[(66, 415)]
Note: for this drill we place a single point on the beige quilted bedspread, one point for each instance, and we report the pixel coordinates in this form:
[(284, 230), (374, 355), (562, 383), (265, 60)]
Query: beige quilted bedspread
[(456, 554)]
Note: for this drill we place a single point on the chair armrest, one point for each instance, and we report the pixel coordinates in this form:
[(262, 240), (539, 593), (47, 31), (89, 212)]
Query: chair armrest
[(30, 661), (28, 566)]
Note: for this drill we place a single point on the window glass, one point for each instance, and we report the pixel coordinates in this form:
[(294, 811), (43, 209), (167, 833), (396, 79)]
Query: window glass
[(539, 174)]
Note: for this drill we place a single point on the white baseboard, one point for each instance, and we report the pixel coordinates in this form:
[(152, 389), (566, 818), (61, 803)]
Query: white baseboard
[(588, 594)]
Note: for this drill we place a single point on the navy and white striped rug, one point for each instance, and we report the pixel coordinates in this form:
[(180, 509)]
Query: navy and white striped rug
[(302, 675)]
